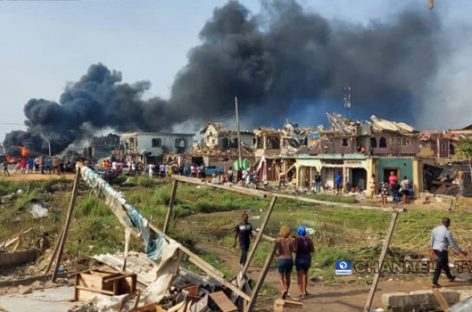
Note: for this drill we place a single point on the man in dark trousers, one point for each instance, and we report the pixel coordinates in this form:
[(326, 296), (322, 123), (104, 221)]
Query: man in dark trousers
[(441, 239), (243, 232)]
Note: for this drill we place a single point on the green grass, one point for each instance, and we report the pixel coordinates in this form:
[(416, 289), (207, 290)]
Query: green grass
[(334, 198), (92, 206), (340, 233)]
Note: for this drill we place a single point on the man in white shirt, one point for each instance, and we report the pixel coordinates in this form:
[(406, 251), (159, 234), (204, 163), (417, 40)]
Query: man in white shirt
[(405, 185), (441, 239)]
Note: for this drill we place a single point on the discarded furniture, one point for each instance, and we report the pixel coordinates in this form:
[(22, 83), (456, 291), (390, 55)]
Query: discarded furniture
[(90, 283)]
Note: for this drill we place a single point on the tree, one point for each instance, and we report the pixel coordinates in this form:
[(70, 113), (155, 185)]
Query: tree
[(464, 147)]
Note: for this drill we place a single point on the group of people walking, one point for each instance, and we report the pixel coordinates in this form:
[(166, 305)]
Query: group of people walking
[(287, 246)]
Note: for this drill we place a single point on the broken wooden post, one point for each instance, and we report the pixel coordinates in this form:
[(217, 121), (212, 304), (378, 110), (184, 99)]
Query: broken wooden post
[(260, 280), (125, 254), (386, 244), (165, 228), (259, 235), (66, 224)]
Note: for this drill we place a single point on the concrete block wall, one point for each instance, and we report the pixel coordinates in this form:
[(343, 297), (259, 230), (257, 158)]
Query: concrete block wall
[(420, 300)]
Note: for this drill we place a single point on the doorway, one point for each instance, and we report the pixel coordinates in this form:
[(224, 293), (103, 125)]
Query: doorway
[(386, 173), (358, 178)]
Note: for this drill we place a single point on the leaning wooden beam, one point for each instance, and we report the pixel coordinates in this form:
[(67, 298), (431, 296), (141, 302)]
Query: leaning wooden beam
[(120, 207), (255, 292), (125, 253), (375, 282), (67, 224), (251, 192), (165, 229), (259, 235)]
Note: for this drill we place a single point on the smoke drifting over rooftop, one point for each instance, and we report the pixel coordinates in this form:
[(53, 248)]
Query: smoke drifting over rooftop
[(283, 59)]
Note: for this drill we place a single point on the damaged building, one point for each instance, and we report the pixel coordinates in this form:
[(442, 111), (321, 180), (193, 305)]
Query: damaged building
[(359, 150), (153, 146), (219, 146), (278, 148)]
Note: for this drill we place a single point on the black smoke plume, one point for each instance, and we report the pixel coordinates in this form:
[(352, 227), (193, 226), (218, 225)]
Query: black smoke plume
[(282, 61)]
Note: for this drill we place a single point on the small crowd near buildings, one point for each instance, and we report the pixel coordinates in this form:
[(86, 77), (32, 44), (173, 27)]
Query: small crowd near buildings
[(348, 157)]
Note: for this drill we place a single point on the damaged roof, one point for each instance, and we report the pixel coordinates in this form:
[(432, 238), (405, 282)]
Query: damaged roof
[(379, 124), (344, 125), (219, 126)]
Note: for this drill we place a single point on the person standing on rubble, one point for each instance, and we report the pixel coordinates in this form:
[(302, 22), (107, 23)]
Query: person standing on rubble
[(373, 186), (339, 182), (441, 239), (239, 175), (5, 167), (284, 248), (151, 170), (392, 180), (384, 192), (405, 186), (318, 182), (229, 174), (243, 233)]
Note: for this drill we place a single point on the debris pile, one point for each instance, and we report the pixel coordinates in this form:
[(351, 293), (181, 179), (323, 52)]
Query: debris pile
[(137, 287)]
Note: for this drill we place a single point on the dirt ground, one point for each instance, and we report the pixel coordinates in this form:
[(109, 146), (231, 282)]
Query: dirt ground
[(346, 297), (36, 176)]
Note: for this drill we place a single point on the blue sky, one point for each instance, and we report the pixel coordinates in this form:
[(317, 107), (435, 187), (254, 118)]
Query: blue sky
[(45, 44)]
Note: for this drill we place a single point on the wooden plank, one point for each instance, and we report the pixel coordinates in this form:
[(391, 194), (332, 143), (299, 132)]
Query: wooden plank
[(279, 305), (170, 208), (100, 291), (375, 282), (67, 223), (223, 302), (252, 301), (441, 300), (259, 235), (251, 192)]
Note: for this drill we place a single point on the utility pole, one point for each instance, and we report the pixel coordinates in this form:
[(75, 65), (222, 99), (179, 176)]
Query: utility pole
[(347, 99), (49, 144), (239, 132)]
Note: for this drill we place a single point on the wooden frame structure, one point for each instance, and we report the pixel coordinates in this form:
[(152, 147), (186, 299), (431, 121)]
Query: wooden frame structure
[(250, 300)]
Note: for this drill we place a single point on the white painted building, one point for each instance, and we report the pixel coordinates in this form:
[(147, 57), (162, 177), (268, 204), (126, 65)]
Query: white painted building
[(215, 136), (136, 145)]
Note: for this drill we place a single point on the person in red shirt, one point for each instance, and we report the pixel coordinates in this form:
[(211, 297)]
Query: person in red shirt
[(392, 180)]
